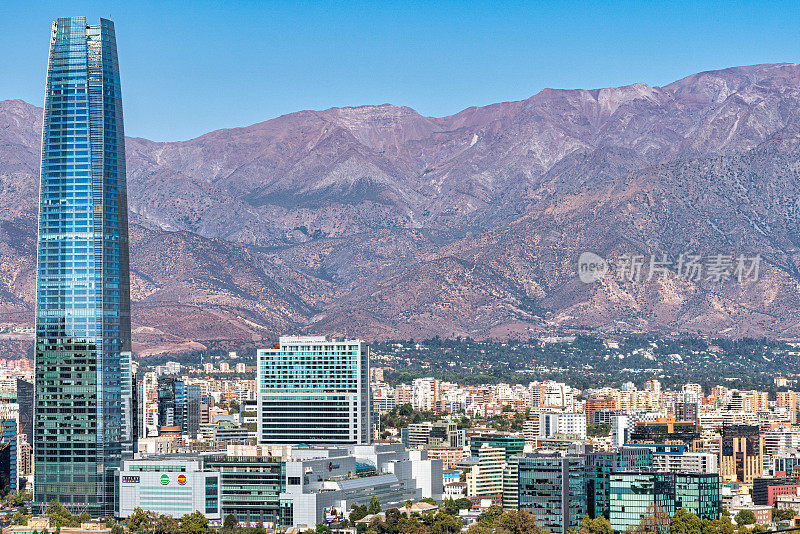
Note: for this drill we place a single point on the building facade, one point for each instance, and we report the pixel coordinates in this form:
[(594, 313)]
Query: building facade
[(552, 488), (170, 486), (632, 493), (83, 287), (312, 390), (741, 453)]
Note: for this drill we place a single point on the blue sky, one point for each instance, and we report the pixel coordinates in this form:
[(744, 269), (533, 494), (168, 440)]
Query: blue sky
[(192, 67)]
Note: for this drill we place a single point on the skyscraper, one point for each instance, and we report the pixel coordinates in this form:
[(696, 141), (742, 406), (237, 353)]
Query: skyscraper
[(83, 291), (314, 390)]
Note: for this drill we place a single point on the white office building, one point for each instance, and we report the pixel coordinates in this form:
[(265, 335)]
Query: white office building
[(562, 424), (321, 486), (688, 462), (173, 486), (312, 390)]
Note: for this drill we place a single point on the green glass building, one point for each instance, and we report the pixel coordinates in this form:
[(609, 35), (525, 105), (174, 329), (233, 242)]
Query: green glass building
[(552, 488), (82, 421), (633, 492)]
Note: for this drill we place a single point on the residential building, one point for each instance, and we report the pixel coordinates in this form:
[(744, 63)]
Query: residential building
[(741, 453), (687, 462), (562, 424), (510, 444), (486, 477)]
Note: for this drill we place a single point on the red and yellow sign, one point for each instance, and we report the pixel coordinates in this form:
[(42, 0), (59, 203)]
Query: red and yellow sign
[(181, 479)]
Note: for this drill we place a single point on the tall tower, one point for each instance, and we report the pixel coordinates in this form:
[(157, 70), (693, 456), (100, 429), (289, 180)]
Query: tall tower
[(83, 332), (315, 391)]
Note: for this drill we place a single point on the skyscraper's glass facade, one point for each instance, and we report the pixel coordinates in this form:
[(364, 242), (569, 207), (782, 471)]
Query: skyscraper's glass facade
[(83, 290)]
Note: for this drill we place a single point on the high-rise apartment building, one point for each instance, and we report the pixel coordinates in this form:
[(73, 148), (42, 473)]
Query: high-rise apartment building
[(83, 289), (314, 390), (741, 453)]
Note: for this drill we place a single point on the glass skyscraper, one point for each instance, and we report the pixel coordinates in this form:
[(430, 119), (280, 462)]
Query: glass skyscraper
[(83, 333)]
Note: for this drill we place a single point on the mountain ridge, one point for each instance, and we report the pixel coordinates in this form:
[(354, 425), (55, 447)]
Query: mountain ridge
[(380, 222)]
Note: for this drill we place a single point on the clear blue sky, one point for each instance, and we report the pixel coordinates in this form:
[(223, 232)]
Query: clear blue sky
[(191, 67)]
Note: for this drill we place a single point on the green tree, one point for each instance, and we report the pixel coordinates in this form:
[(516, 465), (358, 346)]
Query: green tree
[(446, 524), (518, 522), (600, 525), (165, 524), (229, 523), (782, 515), (194, 523), (358, 511), (721, 525), (684, 522), (19, 519), (745, 517), (322, 529), (139, 522), (60, 516), (655, 521), (374, 506)]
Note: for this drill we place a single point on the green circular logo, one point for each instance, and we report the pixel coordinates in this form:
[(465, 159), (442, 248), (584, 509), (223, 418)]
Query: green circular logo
[(165, 479)]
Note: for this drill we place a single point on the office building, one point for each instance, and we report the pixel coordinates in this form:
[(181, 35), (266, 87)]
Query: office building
[(665, 430), (565, 424), (321, 486), (552, 487), (633, 492), (741, 453), (24, 399), (766, 489), (600, 465), (510, 444), (83, 285), (170, 486), (250, 486), (315, 391), (9, 442), (686, 462), (179, 405)]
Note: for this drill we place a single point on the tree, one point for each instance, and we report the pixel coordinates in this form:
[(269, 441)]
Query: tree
[(782, 515), (722, 525), (393, 517), (229, 523), (374, 506), (745, 517), (194, 523), (518, 522), (684, 522), (165, 524), (358, 511), (139, 522), (446, 524), (600, 525), (322, 529), (19, 519), (60, 516), (655, 521)]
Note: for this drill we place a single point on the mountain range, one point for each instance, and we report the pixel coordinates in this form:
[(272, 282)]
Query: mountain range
[(377, 222)]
